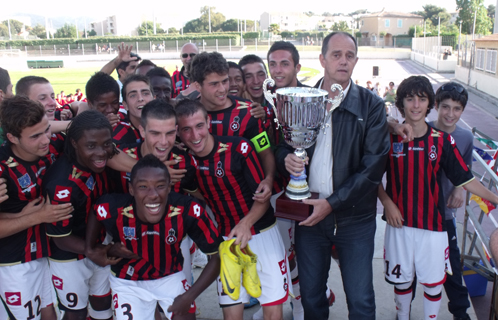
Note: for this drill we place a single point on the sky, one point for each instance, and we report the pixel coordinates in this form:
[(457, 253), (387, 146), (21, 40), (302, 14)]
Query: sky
[(174, 13)]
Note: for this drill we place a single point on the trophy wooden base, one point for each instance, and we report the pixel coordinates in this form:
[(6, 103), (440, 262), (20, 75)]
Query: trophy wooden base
[(294, 209)]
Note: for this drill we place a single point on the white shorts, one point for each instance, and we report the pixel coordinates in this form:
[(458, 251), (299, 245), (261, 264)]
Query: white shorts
[(408, 250), (25, 289), (74, 281), (138, 299), (272, 267), (286, 228)]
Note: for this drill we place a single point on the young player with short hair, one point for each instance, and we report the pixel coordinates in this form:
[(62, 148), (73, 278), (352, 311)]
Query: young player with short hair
[(228, 173), (161, 83), (416, 238), (79, 179), (236, 81), (25, 288), (148, 226)]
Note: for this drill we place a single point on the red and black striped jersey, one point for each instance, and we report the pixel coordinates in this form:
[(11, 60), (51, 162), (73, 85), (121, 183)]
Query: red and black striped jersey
[(184, 186), (125, 133), (414, 172), (180, 83), (228, 178), (24, 184), (157, 244), (70, 182)]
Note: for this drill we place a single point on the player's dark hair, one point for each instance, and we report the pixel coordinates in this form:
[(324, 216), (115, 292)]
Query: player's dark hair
[(454, 91), (287, 46), (326, 40), (100, 83), (133, 78), (85, 121), (18, 113), (160, 72), (206, 63), (25, 83), (149, 161), (251, 58), (146, 62), (414, 86), (157, 109), (123, 65), (4, 80), (187, 107), (236, 66)]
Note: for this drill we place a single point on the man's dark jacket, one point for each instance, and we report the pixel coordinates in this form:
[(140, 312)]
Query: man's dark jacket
[(360, 144)]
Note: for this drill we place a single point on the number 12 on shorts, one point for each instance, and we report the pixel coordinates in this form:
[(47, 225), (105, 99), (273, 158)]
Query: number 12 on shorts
[(395, 271)]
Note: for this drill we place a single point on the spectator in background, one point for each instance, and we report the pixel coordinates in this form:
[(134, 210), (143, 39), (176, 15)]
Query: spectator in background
[(390, 94), (180, 80)]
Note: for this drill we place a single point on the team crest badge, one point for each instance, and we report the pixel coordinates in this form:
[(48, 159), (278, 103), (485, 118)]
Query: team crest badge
[(24, 181), (397, 147), (286, 285), (129, 233), (235, 125), (171, 238), (90, 183), (220, 173), (433, 153), (179, 84)]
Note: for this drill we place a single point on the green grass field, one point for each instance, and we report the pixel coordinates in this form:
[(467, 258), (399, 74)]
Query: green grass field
[(70, 79)]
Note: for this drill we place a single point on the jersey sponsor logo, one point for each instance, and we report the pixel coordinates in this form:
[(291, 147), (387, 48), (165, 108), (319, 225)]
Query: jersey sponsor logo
[(174, 211), (115, 301), (76, 174), (216, 121), (103, 211), (197, 210), (235, 125), (205, 168), (283, 267), (178, 85), (63, 193), (150, 233), (90, 183), (127, 212), (415, 149), (171, 238), (186, 285), (222, 147), (129, 233), (433, 153), (24, 181), (243, 148), (13, 298), (219, 172), (58, 283)]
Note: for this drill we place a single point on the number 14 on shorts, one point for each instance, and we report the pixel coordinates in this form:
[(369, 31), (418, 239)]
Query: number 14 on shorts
[(396, 271)]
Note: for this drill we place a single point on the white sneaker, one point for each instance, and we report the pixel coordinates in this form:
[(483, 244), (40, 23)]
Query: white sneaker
[(258, 315), (200, 259)]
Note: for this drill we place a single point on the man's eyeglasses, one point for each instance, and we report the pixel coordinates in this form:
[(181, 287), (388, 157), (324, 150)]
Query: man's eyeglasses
[(449, 87), (185, 55)]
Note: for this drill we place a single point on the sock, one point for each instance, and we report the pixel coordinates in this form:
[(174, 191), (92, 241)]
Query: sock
[(432, 301), (403, 299), (296, 302)]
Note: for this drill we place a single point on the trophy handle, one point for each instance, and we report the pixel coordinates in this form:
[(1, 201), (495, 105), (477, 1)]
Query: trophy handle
[(270, 96), (334, 102)]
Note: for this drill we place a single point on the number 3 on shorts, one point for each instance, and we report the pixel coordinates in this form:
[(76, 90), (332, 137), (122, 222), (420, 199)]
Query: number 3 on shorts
[(127, 310), (395, 271)]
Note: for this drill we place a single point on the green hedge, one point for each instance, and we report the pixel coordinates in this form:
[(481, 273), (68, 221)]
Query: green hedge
[(163, 37), (251, 35)]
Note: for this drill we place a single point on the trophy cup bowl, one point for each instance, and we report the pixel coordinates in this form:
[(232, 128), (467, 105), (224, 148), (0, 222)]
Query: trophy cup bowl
[(301, 113)]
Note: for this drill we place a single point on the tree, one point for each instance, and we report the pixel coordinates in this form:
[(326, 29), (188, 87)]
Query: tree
[(466, 11), (66, 31), (194, 26), (274, 28), (16, 26), (432, 13), (309, 13), (230, 25), (39, 31), (340, 26), (327, 14), (360, 11), (173, 30), (147, 28), (4, 31), (91, 33), (491, 15), (201, 24)]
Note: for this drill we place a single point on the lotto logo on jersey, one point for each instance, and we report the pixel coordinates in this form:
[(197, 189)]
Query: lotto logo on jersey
[(63, 193), (196, 210), (13, 298), (243, 148), (115, 301), (58, 284), (186, 285), (452, 140), (102, 211), (283, 266)]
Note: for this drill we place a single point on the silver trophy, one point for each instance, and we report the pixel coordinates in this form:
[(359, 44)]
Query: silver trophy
[(301, 112)]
